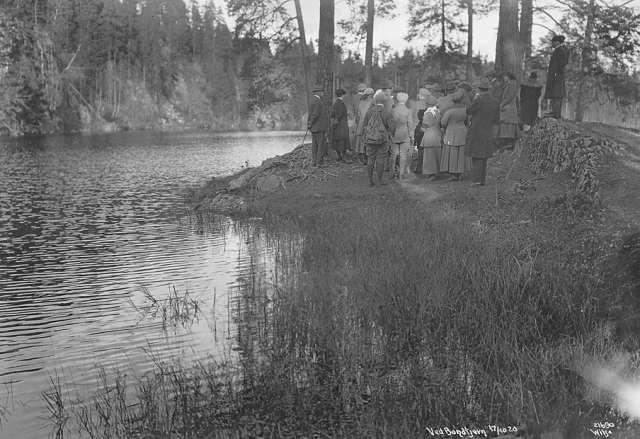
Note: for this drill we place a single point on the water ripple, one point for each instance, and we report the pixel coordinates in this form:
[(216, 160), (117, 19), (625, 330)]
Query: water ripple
[(87, 222)]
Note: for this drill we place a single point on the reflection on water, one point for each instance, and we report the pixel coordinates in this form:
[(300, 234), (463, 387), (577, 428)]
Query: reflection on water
[(85, 224)]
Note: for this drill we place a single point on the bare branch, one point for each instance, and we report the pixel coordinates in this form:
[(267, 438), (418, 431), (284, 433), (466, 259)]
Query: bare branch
[(560, 25)]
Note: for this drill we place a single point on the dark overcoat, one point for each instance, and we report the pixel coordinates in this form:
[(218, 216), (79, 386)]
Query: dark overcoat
[(318, 120), (529, 98), (485, 113), (555, 88), (339, 123)]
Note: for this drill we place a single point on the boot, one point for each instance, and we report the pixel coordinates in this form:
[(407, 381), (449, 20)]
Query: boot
[(370, 173), (380, 172)]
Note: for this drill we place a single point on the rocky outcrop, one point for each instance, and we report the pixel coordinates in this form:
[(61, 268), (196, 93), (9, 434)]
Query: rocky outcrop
[(229, 194)]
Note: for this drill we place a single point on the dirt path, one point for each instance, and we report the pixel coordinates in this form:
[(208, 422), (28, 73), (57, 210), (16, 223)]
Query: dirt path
[(509, 179)]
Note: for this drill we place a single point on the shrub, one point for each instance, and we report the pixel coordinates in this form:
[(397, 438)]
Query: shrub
[(557, 146)]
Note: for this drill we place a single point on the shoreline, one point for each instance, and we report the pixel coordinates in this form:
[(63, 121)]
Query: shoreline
[(160, 129)]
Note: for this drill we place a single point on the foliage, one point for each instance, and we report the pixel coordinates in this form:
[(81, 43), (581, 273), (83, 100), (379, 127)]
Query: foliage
[(70, 65), (356, 24), (557, 146), (425, 18)]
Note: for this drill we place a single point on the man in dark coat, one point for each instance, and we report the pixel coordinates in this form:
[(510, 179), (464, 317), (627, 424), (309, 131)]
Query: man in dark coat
[(318, 124), (529, 100), (555, 90), (481, 144), (339, 125)]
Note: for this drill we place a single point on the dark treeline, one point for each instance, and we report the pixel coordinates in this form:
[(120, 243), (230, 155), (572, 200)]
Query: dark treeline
[(101, 65), (92, 65)]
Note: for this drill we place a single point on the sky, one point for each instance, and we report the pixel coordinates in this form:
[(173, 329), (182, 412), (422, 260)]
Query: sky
[(393, 31)]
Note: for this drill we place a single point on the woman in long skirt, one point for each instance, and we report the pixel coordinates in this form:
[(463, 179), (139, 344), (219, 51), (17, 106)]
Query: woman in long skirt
[(454, 161), (509, 130), (431, 143)]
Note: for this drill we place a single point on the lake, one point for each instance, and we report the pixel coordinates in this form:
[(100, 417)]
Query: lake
[(91, 227)]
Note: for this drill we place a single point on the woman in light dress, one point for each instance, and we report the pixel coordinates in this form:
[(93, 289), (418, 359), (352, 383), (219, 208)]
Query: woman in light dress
[(454, 121), (431, 143), (401, 141)]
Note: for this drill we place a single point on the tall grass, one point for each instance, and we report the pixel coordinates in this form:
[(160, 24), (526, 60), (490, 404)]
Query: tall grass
[(401, 323), (380, 323)]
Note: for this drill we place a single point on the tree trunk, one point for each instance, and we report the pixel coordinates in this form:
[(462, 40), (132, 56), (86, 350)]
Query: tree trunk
[(303, 51), (469, 39), (443, 48), (325, 45), (526, 25), (507, 43), (585, 63), (368, 54)]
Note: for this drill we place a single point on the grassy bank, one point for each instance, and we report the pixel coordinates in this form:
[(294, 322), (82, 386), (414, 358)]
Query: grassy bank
[(398, 309)]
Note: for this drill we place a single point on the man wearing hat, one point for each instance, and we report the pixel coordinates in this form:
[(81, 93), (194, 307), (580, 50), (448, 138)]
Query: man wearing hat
[(555, 90), (366, 99), (339, 125), (485, 114), (318, 124)]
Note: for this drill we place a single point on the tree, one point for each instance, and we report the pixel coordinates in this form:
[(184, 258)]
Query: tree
[(325, 45), (508, 40), (303, 51), (585, 62), (368, 57), (526, 26), (360, 28), (424, 15)]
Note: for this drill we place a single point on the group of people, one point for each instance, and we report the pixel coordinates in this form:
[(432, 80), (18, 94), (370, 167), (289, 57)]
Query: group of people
[(452, 128)]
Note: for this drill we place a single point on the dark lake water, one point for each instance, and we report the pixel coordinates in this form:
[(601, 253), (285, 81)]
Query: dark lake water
[(88, 223)]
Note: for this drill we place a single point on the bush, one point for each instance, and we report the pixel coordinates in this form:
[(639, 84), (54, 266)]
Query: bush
[(557, 146)]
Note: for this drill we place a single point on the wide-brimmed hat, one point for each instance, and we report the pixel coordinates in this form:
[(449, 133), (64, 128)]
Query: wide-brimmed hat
[(386, 85), (430, 100), (457, 95), (465, 86), (482, 84), (368, 91), (558, 38), (317, 87)]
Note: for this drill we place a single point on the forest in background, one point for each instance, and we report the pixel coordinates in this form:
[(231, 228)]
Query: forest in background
[(108, 65)]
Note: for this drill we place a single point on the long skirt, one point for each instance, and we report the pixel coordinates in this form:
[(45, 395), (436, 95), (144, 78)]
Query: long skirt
[(508, 131), (431, 160), (454, 160)]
